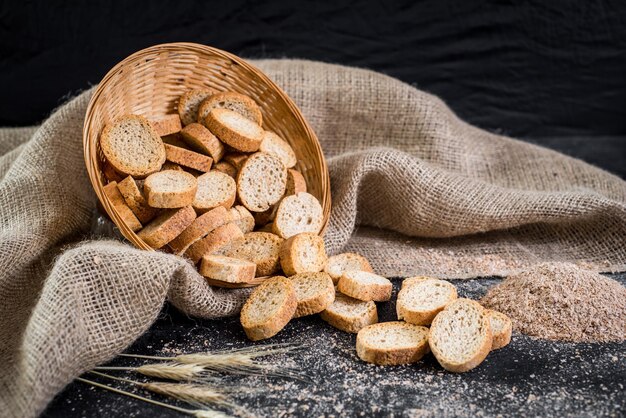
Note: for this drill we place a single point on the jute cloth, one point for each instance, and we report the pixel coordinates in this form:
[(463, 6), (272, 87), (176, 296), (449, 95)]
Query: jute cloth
[(415, 190)]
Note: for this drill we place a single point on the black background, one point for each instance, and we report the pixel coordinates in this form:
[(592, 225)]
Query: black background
[(525, 68)]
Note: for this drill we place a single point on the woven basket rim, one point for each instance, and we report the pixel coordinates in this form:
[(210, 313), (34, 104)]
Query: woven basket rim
[(92, 163)]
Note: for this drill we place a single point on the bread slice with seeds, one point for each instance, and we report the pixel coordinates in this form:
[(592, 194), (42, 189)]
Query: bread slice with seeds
[(295, 182), (202, 140), (460, 335), (135, 200), (418, 303), (215, 240), (303, 253), (261, 182), (501, 329), (261, 248), (298, 213), (236, 102), (349, 314), (112, 191), (167, 226), (199, 228), (170, 189), (132, 146), (269, 308), (166, 125), (392, 343), (315, 292), (227, 269), (275, 145), (340, 263), (188, 158), (242, 218), (189, 103), (214, 189), (234, 129), (365, 286)]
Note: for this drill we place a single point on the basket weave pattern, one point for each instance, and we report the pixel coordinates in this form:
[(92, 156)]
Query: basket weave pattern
[(150, 82)]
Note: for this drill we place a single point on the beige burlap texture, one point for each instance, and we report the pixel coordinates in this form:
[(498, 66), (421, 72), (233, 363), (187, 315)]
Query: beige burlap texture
[(415, 190)]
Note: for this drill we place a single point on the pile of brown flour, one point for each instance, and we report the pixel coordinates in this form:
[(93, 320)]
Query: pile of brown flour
[(560, 301)]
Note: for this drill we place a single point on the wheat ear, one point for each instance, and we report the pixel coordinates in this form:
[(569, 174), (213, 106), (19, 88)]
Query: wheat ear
[(198, 413), (170, 371)]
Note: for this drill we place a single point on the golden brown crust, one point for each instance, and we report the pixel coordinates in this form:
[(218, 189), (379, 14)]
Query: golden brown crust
[(233, 137), (117, 161), (316, 303), (167, 226), (112, 191), (480, 354), (271, 326), (166, 125), (247, 107), (295, 182), (227, 269), (350, 284), (391, 356), (159, 196), (188, 158), (501, 337), (136, 201), (293, 249), (421, 316), (236, 159), (202, 140), (226, 168), (200, 227), (347, 324), (214, 240)]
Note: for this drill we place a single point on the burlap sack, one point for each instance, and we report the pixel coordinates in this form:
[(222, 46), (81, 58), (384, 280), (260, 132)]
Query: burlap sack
[(454, 201)]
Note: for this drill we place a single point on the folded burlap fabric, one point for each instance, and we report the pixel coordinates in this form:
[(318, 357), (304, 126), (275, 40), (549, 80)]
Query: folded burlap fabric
[(415, 190)]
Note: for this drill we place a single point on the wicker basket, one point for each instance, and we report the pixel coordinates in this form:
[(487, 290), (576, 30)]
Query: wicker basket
[(149, 83)]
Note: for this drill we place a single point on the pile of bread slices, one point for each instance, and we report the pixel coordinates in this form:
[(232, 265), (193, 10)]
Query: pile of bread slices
[(345, 292), (210, 184)]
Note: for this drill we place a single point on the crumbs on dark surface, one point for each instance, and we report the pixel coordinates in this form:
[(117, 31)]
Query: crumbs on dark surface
[(530, 377)]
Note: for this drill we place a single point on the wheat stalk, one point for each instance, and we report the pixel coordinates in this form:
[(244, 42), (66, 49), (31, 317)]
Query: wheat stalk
[(170, 371), (236, 361), (198, 413)]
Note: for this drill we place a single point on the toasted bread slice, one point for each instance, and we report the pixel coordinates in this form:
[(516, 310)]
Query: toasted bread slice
[(460, 335), (298, 213), (269, 308), (242, 218), (501, 329), (261, 248), (227, 269), (261, 182), (188, 158), (110, 174), (278, 147), (132, 146), (350, 315), (170, 189), (295, 182), (214, 241), (112, 191), (203, 141), (365, 286), (303, 253), (236, 159), (392, 343), (199, 228), (168, 165), (226, 168), (420, 302), (236, 102), (340, 263), (166, 125), (176, 140), (189, 103), (214, 189), (315, 292), (167, 226), (234, 129), (263, 218), (411, 280), (135, 200)]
